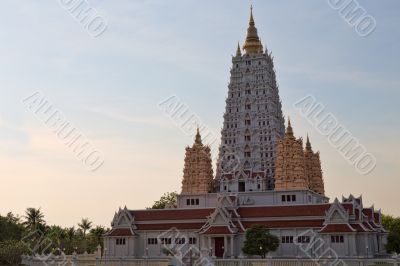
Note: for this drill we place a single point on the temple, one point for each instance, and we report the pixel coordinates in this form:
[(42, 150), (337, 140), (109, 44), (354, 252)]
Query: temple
[(264, 175)]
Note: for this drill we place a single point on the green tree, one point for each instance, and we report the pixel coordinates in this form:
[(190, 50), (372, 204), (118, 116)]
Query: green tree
[(85, 225), (167, 199), (34, 219), (392, 225), (259, 241), (10, 228), (95, 238), (11, 252)]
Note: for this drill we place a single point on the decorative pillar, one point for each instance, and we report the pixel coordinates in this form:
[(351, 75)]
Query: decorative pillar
[(232, 251), (209, 246), (225, 246)]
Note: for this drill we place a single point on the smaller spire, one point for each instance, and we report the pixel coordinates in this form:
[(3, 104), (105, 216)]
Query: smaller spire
[(308, 144), (289, 130), (198, 137), (238, 51)]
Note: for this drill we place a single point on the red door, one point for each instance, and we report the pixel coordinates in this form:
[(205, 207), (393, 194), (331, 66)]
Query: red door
[(219, 247)]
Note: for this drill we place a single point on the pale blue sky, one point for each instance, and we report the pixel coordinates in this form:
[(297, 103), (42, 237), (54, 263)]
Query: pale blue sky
[(109, 88)]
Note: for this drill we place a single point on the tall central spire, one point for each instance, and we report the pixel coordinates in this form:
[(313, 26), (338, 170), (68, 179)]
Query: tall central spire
[(252, 45), (253, 120)]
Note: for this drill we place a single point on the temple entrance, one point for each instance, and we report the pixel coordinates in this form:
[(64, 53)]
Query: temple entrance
[(219, 247)]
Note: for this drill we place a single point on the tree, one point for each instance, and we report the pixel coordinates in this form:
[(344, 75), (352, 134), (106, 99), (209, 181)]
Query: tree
[(392, 225), (11, 252), (85, 225), (168, 199), (259, 241), (10, 228), (96, 238), (33, 218)]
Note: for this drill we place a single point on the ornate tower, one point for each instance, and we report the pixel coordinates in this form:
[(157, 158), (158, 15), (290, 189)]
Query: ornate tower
[(197, 172), (313, 169), (290, 163), (253, 120)]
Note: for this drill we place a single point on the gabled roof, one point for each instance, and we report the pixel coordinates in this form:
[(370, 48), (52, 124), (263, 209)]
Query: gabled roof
[(120, 232), (337, 228), (171, 214)]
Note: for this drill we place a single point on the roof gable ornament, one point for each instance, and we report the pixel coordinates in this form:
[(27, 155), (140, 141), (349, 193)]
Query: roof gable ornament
[(336, 213), (123, 218)]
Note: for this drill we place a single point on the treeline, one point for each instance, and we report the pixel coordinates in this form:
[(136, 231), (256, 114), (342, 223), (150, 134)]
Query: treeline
[(30, 234), (392, 224)]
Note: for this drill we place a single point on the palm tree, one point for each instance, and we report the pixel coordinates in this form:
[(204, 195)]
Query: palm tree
[(85, 225), (34, 218)]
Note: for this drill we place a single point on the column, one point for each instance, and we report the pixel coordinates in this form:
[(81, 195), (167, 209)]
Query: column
[(232, 251), (209, 246), (225, 246)]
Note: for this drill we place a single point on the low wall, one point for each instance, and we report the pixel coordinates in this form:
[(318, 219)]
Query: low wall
[(91, 260)]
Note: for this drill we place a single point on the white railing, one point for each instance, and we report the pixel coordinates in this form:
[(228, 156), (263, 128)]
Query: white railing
[(91, 260)]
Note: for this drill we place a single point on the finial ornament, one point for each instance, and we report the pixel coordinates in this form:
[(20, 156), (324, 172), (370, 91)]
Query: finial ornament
[(238, 51), (308, 144), (198, 137), (289, 129), (252, 44)]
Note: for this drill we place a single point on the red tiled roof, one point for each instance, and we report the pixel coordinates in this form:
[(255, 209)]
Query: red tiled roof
[(368, 226), (376, 217), (337, 228), (121, 232), (171, 214), (289, 211), (285, 224), (284, 211), (360, 228), (165, 226), (218, 230), (368, 212)]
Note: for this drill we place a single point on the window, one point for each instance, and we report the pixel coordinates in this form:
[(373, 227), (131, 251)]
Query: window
[(166, 241), (192, 202), (247, 122), (247, 154), (192, 240), (337, 239), (247, 138), (242, 186), (247, 107), (180, 241), (287, 239), (303, 239), (120, 241), (288, 198), (152, 241)]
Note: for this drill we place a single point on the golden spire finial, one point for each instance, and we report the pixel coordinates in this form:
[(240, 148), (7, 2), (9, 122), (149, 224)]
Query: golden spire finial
[(252, 44), (289, 129), (251, 22), (238, 51)]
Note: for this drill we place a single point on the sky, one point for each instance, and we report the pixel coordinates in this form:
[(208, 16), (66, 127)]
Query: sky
[(110, 88)]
